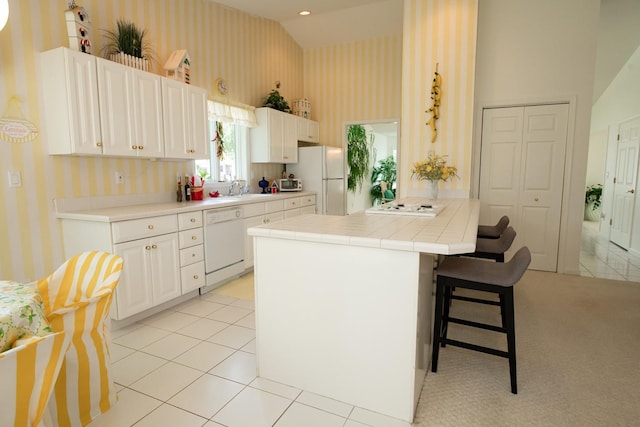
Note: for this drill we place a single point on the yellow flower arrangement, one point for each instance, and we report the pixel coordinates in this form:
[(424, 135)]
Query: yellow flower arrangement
[(434, 168)]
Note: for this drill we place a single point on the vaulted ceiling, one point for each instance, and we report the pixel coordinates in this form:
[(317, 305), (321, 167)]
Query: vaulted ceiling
[(341, 21)]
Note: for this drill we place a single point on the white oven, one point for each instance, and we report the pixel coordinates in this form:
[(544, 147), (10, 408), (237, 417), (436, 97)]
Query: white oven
[(223, 246)]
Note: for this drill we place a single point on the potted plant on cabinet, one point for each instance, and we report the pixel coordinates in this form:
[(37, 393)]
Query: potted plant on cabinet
[(128, 45)]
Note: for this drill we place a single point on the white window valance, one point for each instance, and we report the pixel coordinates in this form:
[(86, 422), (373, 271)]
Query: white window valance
[(234, 113)]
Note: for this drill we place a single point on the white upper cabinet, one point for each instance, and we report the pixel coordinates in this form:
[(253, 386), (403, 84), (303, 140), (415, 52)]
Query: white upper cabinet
[(185, 120), (70, 100), (98, 107), (275, 138), (307, 130)]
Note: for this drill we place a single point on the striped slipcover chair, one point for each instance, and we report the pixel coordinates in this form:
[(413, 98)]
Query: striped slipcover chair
[(28, 373), (77, 297)]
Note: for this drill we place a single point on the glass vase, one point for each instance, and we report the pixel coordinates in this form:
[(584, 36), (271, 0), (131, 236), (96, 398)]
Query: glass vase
[(432, 190)]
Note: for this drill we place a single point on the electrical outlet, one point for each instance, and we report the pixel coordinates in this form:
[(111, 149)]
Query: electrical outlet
[(119, 178)]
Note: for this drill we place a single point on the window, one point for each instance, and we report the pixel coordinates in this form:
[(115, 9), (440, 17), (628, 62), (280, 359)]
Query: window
[(233, 123)]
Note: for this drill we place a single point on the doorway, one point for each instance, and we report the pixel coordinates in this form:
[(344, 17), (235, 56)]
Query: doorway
[(521, 175), (384, 136)]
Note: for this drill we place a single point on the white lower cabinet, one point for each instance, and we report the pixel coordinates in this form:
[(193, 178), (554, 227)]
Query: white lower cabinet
[(164, 254), (150, 275), (300, 206), (191, 237), (257, 214)]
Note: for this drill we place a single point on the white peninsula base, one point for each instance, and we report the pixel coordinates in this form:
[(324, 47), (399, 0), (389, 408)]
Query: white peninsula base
[(350, 323), (344, 303)]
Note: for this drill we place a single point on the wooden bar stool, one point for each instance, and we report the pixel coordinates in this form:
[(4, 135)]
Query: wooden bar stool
[(478, 274), (493, 231)]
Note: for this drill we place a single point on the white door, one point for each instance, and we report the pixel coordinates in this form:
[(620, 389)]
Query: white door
[(522, 169), (174, 103), (165, 268), (625, 183), (134, 292), (199, 122)]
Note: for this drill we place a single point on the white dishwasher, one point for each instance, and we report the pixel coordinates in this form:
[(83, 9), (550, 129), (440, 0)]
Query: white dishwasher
[(223, 246)]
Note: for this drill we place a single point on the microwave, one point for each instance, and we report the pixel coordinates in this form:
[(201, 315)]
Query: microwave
[(290, 185)]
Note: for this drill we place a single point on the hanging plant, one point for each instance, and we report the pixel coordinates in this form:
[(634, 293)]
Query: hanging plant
[(218, 138), (359, 154)]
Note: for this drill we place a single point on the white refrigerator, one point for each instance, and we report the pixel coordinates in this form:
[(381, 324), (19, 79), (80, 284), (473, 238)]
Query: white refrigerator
[(321, 169)]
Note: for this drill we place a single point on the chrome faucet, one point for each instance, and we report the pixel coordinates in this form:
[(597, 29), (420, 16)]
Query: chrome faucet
[(233, 185)]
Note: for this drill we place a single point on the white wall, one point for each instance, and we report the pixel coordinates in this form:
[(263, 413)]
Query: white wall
[(619, 102), (538, 52)]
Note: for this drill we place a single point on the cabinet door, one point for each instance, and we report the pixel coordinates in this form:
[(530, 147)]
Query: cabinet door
[(275, 136), (115, 93), (289, 139), (199, 123), (147, 99), (70, 102), (248, 240), (165, 268), (307, 130), (175, 119), (134, 292)]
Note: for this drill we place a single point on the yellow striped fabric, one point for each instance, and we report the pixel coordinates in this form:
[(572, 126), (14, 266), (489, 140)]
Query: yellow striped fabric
[(77, 298), (28, 373)]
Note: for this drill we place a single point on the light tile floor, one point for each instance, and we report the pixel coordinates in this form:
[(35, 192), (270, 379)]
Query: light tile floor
[(603, 259), (195, 365)]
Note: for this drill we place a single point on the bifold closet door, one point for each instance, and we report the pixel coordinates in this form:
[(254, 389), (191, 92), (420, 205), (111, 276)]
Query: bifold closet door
[(521, 175)]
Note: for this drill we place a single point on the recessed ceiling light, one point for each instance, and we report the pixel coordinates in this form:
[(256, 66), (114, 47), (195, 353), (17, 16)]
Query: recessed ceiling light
[(304, 13)]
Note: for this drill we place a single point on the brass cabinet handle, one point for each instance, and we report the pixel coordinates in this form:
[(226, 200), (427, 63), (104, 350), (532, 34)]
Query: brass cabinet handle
[(194, 237), (134, 147), (140, 147), (99, 144), (154, 246), (631, 191), (195, 276), (536, 199), (150, 226), (148, 248), (192, 220)]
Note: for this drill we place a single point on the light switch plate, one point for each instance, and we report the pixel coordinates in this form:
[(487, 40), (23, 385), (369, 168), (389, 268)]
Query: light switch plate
[(15, 179)]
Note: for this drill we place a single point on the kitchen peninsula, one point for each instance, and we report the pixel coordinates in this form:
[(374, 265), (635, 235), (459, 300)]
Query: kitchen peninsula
[(344, 306)]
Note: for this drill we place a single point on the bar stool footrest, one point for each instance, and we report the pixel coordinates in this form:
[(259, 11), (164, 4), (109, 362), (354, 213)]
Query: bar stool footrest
[(479, 348), (477, 325), (477, 300)]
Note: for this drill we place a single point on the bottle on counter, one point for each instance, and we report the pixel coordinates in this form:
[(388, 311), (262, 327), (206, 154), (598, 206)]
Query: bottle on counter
[(179, 191), (187, 189)]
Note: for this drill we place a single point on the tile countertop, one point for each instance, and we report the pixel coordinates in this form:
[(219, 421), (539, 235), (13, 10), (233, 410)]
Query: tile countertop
[(136, 211), (452, 231)]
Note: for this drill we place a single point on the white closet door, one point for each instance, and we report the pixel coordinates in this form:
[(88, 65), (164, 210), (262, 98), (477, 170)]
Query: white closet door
[(625, 183), (522, 169)]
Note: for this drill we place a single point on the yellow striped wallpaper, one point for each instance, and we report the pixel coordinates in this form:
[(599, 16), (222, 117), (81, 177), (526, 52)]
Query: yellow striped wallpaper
[(437, 32), (354, 81), (250, 53), (383, 78)]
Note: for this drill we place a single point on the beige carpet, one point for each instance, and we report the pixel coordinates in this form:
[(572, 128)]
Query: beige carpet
[(578, 351), (578, 356)]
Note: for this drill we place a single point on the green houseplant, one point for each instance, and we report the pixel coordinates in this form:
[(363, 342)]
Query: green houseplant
[(277, 102), (384, 171), (592, 196), (127, 38), (359, 154)]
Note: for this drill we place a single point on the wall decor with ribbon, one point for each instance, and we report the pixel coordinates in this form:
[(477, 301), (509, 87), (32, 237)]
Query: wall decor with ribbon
[(14, 127)]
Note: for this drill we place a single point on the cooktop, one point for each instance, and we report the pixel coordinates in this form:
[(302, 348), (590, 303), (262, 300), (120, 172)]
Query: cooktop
[(427, 210)]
